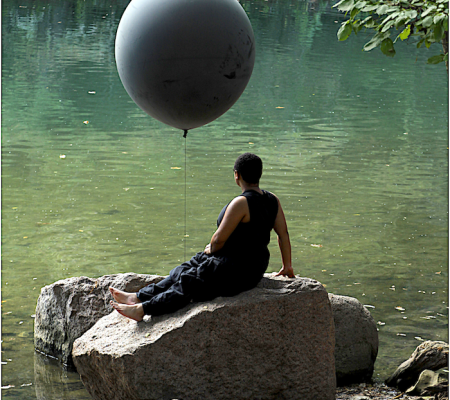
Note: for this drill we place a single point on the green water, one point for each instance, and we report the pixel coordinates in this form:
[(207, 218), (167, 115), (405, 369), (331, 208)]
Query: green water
[(358, 155)]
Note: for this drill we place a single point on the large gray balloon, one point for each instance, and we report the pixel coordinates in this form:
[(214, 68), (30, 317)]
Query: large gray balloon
[(185, 62)]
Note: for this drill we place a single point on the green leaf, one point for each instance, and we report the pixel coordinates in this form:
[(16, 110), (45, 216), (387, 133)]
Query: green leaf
[(344, 31), (386, 19), (427, 21), (357, 26), (427, 43), (371, 24), (345, 5), (369, 8), (356, 29), (338, 4), (387, 26), (436, 59), (366, 20), (446, 57), (401, 20), (411, 14), (438, 33), (419, 45), (387, 47), (382, 9), (428, 10), (405, 33), (393, 9), (438, 18), (360, 4), (354, 13), (375, 41), (372, 43)]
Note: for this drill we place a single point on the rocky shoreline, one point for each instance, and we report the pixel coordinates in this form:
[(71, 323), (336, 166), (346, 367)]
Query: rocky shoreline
[(327, 333), (378, 391)]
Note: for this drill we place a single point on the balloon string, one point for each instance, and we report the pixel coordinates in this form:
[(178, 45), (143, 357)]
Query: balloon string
[(185, 192)]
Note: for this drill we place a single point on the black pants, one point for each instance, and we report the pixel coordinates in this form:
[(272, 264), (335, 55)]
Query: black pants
[(202, 278)]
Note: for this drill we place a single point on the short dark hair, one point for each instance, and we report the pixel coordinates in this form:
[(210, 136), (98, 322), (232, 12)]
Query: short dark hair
[(249, 166)]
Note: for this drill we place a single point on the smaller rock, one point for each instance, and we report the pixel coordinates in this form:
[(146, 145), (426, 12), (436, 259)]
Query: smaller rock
[(356, 340), (428, 355), (426, 380), (440, 391), (66, 309), (360, 398)]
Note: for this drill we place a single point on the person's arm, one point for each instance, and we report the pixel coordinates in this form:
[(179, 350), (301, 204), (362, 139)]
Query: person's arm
[(284, 243), (236, 211)]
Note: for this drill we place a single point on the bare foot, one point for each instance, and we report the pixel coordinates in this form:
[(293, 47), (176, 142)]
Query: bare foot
[(124, 297), (133, 311)]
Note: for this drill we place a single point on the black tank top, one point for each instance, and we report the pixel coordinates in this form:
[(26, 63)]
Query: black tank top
[(249, 240)]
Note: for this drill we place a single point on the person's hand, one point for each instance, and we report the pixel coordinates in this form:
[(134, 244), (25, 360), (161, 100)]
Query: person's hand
[(286, 271), (207, 249)]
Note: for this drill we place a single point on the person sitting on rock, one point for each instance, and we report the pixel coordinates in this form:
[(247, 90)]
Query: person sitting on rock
[(234, 261)]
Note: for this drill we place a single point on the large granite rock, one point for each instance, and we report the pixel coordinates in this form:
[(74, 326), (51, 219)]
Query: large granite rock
[(68, 308), (356, 340), (273, 342)]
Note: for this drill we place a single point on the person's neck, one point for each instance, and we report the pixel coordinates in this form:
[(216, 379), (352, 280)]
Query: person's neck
[(245, 186)]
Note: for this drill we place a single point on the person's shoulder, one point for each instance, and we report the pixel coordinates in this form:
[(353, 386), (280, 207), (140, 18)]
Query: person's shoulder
[(270, 194), (239, 201), (238, 206), (274, 200)]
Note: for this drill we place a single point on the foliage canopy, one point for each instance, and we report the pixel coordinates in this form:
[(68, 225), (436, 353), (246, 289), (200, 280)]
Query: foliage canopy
[(425, 19)]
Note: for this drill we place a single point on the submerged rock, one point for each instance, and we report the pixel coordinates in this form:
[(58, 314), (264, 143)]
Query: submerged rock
[(51, 382), (356, 340), (68, 308), (273, 342)]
